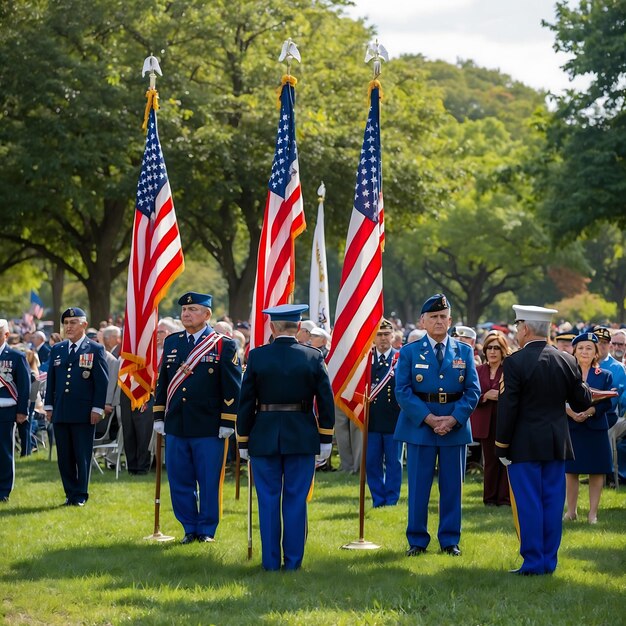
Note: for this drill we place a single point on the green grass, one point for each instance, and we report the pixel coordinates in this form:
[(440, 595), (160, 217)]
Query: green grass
[(92, 565)]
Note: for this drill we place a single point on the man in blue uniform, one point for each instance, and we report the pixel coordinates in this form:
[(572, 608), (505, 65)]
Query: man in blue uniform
[(383, 465), (437, 389), (14, 394), (75, 398), (277, 427), (532, 435), (196, 406)]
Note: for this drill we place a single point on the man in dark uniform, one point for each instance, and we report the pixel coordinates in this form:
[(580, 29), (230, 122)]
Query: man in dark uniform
[(75, 398), (437, 389), (196, 406), (14, 395), (278, 429), (383, 465), (532, 436)]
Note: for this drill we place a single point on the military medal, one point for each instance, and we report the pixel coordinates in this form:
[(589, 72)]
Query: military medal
[(86, 374)]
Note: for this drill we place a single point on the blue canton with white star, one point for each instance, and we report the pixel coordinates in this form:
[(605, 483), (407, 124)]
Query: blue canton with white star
[(286, 151), (153, 173), (369, 174)]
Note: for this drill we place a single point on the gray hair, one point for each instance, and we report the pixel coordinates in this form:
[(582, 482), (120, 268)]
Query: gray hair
[(540, 329), (284, 326), (111, 331), (4, 326)]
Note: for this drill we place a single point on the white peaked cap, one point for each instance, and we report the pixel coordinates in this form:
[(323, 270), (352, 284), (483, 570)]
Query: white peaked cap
[(530, 313)]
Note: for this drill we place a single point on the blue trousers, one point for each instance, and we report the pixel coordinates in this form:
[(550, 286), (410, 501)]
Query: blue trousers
[(7, 461), (421, 469), (383, 469), (74, 452), (537, 498), (195, 467), (282, 485)]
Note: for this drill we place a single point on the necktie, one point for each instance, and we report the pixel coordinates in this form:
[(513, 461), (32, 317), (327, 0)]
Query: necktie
[(382, 360), (192, 342), (73, 349), (439, 353)]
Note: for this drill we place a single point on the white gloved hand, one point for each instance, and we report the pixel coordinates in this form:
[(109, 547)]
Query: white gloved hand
[(504, 461), (325, 450), (243, 454), (225, 432), (159, 427)]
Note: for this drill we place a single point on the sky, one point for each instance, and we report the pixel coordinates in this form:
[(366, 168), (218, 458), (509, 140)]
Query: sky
[(497, 34)]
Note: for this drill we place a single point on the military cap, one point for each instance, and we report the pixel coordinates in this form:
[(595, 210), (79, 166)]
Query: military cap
[(463, 331), (307, 325), (385, 325), (92, 333), (603, 333), (566, 335), (435, 303), (530, 313), (192, 297), (286, 312), (585, 337), (320, 332), (73, 312)]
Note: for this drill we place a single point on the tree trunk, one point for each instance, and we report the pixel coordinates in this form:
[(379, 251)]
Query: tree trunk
[(99, 292), (57, 280), (240, 291)]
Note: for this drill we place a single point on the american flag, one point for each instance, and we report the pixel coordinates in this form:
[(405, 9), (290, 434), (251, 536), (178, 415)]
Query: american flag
[(36, 305), (360, 301), (283, 221), (156, 260)]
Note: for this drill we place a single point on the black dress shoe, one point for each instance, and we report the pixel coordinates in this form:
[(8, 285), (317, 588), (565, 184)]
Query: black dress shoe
[(67, 502), (4, 499), (205, 539), (188, 538), (79, 503), (519, 572), (452, 550), (415, 551)]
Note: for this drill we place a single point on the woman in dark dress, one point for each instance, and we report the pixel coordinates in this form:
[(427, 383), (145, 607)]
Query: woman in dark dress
[(483, 419), (589, 432)]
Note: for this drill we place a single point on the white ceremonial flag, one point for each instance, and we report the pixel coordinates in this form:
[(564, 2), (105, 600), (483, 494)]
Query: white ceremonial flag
[(318, 290)]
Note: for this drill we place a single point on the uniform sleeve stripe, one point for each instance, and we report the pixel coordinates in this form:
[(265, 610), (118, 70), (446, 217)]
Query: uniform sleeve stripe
[(502, 445), (158, 408), (326, 431), (242, 439), (229, 417)]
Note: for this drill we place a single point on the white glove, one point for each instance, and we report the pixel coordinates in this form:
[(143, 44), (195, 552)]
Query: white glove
[(159, 427), (243, 455), (225, 432), (504, 461), (325, 450)]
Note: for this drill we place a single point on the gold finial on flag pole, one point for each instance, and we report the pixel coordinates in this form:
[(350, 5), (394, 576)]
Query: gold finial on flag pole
[(151, 64)]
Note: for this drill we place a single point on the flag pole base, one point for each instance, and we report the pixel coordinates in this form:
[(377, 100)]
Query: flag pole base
[(361, 544), (159, 537)]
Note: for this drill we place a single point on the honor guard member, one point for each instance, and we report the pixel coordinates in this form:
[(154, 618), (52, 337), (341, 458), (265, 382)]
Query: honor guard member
[(14, 396), (563, 341), (532, 435), (196, 406), (278, 429), (437, 389), (383, 465), (75, 397)]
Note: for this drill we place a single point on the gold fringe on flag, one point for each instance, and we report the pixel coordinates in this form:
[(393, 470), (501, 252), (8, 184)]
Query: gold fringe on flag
[(287, 78), (153, 103), (373, 84)]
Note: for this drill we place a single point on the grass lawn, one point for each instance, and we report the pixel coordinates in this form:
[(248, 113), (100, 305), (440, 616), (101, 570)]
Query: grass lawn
[(65, 565)]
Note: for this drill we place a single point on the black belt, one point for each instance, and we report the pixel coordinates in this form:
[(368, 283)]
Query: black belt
[(300, 407), (441, 398)]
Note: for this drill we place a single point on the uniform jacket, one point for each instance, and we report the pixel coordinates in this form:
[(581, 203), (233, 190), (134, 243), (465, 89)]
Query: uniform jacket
[(285, 372), (532, 423), (43, 352), (208, 398), (618, 372), (76, 385), (384, 408), (480, 419), (14, 368), (605, 415), (418, 372)]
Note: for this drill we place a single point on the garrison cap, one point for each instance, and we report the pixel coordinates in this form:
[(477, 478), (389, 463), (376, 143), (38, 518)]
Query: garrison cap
[(463, 331), (603, 333), (192, 297), (385, 325), (73, 312), (435, 303), (585, 337), (530, 313), (286, 312)]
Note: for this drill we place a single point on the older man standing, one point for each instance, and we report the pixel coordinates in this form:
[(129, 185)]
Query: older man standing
[(532, 436), (75, 398), (437, 389), (196, 407)]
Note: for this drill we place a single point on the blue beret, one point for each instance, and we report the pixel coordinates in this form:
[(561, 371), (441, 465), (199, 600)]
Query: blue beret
[(286, 312), (72, 312), (585, 337), (438, 302), (191, 297)]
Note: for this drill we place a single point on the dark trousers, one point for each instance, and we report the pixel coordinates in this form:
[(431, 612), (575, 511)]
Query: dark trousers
[(495, 477), (74, 452), (137, 432), (7, 462)]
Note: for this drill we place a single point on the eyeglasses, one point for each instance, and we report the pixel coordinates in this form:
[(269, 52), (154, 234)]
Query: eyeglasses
[(492, 347)]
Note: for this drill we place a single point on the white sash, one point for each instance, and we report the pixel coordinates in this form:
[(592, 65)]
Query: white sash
[(390, 372)]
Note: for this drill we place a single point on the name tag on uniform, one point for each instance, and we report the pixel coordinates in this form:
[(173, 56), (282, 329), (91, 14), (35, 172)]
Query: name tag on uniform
[(86, 360), (422, 366), (458, 364), (57, 362)]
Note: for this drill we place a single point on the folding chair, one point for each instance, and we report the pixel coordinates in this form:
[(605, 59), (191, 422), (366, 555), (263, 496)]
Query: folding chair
[(105, 445)]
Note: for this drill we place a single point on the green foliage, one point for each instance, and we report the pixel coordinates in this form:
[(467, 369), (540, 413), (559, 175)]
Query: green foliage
[(65, 566), (586, 307)]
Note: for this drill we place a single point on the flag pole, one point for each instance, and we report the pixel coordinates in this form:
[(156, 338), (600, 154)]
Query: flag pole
[(237, 472), (250, 483), (152, 65)]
